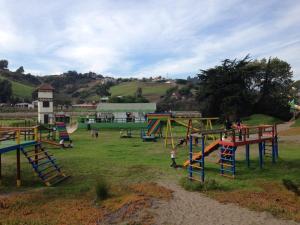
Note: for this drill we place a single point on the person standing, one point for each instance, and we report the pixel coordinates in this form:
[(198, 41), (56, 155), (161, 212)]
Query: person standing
[(173, 157)]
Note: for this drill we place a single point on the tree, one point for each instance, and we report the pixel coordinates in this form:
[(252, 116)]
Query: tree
[(20, 70), (3, 64), (223, 90), (241, 87), (273, 81), (139, 92), (5, 91), (103, 90)]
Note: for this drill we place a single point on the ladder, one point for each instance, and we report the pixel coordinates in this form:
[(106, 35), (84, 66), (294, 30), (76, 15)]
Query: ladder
[(227, 161), (44, 164)]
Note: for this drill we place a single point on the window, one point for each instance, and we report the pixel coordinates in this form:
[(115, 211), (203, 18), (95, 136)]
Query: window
[(46, 104)]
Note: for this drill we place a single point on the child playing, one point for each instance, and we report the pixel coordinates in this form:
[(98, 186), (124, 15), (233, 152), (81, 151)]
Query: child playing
[(173, 156)]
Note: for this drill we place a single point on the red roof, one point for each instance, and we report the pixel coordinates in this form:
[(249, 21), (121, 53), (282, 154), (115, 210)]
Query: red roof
[(45, 87)]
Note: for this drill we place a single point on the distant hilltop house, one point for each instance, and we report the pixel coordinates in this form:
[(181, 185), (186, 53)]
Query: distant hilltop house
[(124, 112)]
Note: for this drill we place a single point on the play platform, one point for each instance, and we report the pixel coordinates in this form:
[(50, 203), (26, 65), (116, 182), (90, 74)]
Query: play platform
[(25, 140), (265, 136)]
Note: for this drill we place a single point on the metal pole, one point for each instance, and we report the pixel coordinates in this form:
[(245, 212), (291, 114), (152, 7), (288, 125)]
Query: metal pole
[(18, 168), (191, 157), (248, 155), (260, 148), (202, 159)]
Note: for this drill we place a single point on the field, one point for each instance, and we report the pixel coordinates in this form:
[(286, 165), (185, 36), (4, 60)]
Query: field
[(130, 166), (151, 90), (20, 90)]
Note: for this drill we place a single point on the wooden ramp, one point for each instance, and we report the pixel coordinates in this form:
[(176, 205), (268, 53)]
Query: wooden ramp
[(209, 149)]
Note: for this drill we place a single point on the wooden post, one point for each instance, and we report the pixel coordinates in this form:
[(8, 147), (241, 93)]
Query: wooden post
[(18, 168)]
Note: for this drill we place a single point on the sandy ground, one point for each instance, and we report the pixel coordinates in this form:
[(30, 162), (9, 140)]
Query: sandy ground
[(193, 208), (284, 127)]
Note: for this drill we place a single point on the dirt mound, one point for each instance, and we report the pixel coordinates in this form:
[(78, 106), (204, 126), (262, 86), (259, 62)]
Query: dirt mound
[(128, 204)]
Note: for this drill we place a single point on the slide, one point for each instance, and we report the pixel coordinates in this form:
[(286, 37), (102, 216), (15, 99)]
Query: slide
[(208, 149)]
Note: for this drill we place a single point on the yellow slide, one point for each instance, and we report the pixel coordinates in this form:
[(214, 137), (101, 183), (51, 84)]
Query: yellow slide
[(209, 149)]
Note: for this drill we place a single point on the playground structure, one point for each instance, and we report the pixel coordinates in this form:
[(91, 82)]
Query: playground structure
[(156, 121), (53, 134), (265, 136), (26, 140)]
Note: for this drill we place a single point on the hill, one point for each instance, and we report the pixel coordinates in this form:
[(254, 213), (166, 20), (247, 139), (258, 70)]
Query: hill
[(151, 90), (22, 91)]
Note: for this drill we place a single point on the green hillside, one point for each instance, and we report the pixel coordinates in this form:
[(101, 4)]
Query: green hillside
[(20, 90), (151, 90)]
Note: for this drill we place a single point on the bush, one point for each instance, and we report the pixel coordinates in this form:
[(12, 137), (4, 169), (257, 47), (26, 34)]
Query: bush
[(102, 189), (208, 185)]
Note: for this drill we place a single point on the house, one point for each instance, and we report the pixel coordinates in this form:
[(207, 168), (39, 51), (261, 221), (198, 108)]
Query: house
[(24, 105), (124, 112), (45, 104)]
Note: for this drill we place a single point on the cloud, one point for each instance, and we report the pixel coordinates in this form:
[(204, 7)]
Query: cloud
[(145, 38)]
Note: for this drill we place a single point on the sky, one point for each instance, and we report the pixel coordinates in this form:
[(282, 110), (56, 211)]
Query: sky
[(134, 38)]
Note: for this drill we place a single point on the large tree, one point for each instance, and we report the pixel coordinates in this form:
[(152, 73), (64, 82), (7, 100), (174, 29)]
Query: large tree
[(273, 81), (240, 87), (5, 91), (3, 64), (224, 90)]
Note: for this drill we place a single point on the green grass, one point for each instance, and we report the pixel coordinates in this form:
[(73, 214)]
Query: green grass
[(258, 119), (151, 90), (126, 161), (20, 90), (131, 160), (297, 123)]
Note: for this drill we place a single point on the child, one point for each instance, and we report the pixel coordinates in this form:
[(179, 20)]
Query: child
[(173, 156), (96, 133), (239, 128), (62, 143)]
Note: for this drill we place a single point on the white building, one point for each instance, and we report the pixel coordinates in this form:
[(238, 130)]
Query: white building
[(124, 112), (45, 104)]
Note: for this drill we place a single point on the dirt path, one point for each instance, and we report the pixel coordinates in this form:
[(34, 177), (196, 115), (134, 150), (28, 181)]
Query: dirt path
[(191, 208)]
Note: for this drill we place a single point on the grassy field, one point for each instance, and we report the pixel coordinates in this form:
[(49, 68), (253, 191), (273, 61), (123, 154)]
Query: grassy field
[(151, 90), (258, 119), (126, 162), (20, 90)]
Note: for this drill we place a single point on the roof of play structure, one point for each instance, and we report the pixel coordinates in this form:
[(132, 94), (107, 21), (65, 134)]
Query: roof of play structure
[(126, 107)]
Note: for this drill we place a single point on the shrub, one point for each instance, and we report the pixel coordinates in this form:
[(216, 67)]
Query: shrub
[(208, 185), (102, 189)]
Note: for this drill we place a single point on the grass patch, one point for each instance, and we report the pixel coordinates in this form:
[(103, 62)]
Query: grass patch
[(20, 90), (258, 119), (151, 90), (297, 123)]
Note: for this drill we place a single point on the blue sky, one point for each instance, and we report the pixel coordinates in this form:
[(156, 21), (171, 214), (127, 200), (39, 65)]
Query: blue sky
[(145, 38)]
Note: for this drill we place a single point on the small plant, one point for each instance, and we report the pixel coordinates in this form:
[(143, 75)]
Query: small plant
[(291, 186), (102, 189), (208, 185)]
